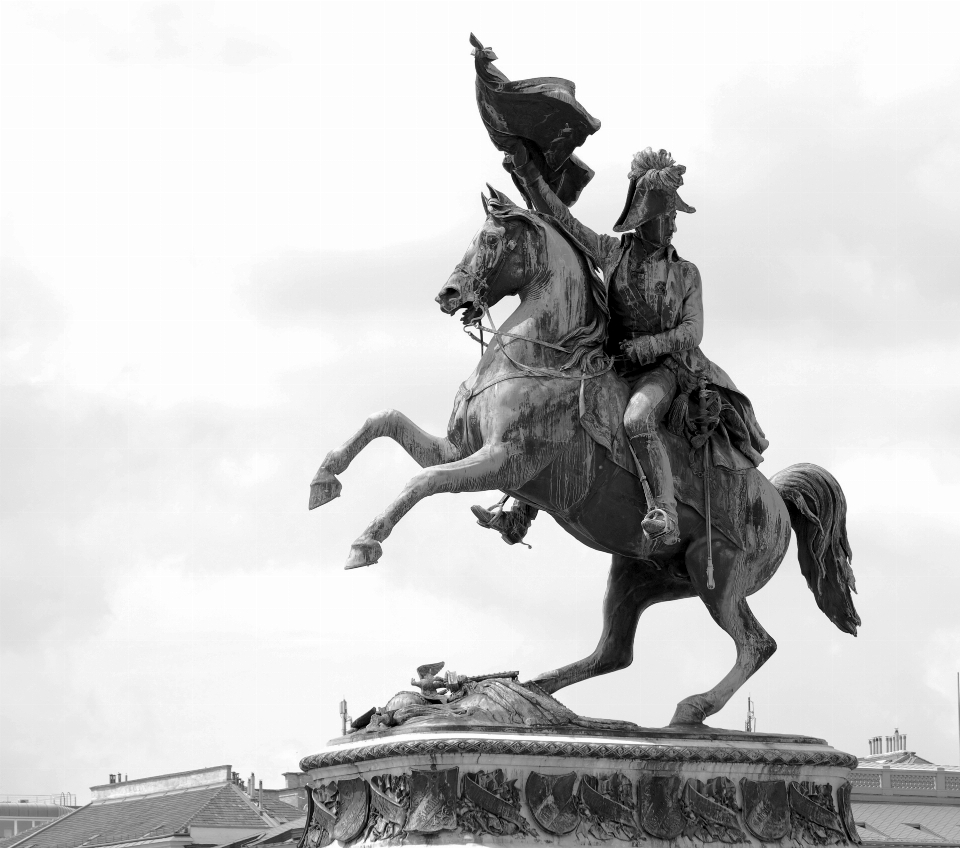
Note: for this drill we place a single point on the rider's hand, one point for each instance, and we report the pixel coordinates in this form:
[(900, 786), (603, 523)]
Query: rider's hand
[(518, 161), (640, 349), (519, 155)]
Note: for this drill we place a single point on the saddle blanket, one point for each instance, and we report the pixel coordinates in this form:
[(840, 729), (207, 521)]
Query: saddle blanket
[(603, 401)]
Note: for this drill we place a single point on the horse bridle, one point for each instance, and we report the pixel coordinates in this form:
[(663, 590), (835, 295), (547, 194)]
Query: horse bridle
[(481, 284)]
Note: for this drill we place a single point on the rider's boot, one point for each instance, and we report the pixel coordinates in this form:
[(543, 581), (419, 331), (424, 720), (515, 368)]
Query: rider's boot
[(511, 524), (661, 522)]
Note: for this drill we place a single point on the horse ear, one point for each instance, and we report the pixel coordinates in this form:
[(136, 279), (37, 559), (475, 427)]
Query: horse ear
[(500, 197), (486, 203)]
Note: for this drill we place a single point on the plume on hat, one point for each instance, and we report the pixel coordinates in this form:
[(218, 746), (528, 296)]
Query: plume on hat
[(656, 170)]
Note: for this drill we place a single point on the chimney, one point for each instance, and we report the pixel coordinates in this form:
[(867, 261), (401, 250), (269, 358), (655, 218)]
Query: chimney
[(113, 778), (251, 785), (260, 795)]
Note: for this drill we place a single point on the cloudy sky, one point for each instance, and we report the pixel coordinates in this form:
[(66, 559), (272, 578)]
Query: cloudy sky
[(223, 226)]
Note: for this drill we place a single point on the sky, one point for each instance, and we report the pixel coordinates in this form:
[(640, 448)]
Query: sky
[(223, 227)]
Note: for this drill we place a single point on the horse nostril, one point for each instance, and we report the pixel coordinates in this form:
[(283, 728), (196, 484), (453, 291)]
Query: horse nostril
[(446, 294)]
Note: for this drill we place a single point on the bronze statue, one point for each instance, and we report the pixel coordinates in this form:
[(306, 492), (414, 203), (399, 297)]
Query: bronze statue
[(679, 503), (653, 300)]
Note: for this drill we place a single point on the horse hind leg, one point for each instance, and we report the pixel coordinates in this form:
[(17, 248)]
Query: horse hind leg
[(728, 606), (633, 585), (425, 449)]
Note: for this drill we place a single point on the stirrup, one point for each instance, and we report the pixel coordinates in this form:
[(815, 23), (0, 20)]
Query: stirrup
[(511, 528), (660, 526), (489, 519)]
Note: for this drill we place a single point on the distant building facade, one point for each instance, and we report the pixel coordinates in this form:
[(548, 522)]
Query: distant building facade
[(208, 806), (23, 815), (900, 799)]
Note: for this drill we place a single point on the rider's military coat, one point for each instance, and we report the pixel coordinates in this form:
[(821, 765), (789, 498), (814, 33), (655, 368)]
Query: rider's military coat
[(658, 296)]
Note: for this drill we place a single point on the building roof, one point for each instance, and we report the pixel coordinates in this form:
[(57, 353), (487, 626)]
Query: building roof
[(287, 833), (895, 758), (147, 818), (33, 811), (907, 823), (280, 810), (9, 840)]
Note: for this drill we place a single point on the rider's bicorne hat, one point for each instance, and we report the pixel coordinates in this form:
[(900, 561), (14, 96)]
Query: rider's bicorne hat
[(654, 180)]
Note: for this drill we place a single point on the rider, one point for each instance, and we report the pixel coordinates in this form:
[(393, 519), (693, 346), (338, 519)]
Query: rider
[(656, 323)]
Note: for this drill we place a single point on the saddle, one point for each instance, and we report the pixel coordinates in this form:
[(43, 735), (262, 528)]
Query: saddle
[(603, 402)]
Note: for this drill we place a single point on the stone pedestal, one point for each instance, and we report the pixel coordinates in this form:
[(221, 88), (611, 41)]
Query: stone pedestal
[(658, 787)]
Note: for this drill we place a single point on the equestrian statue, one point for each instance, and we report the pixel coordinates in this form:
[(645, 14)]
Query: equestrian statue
[(594, 403)]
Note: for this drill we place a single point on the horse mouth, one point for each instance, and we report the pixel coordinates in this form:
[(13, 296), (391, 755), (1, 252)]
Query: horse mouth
[(472, 311)]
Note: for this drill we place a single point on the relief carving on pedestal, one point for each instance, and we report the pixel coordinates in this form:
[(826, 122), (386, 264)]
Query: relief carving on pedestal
[(353, 804), (814, 818), (596, 807), (490, 804), (433, 801), (712, 809), (846, 812), (552, 801), (660, 812), (321, 816), (608, 808), (766, 811), (389, 801)]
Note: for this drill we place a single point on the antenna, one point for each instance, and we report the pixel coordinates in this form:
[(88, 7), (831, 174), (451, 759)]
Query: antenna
[(751, 723)]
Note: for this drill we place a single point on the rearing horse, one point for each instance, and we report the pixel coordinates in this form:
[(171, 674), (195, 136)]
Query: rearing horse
[(516, 426)]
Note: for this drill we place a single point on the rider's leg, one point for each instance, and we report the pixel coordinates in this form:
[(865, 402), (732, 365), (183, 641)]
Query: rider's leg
[(651, 398), (512, 524)]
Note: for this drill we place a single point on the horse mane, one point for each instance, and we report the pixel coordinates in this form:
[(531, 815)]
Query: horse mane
[(587, 340)]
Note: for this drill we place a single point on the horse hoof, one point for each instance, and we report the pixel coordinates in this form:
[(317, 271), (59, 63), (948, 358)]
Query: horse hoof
[(689, 711), (324, 488), (363, 553), (548, 682)]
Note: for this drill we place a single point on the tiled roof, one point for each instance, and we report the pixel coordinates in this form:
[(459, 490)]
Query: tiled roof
[(229, 808), (288, 833), (146, 818), (929, 824), (280, 810), (897, 758), (9, 840), (875, 766)]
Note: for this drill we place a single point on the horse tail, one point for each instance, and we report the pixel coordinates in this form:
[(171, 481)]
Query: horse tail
[(818, 514)]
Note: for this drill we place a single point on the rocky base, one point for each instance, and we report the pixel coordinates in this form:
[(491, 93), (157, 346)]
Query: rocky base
[(658, 787)]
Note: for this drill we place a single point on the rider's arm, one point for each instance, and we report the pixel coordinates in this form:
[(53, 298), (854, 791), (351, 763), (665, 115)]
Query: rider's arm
[(689, 330), (599, 247)]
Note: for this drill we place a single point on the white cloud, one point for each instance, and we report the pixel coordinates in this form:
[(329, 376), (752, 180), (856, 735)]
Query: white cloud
[(221, 269)]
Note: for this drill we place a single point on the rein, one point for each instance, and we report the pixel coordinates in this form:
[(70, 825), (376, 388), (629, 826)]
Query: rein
[(534, 370), (482, 285)]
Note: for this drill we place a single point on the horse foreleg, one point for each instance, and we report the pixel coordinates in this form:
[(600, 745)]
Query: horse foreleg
[(728, 606), (633, 585), (425, 449), (488, 468)]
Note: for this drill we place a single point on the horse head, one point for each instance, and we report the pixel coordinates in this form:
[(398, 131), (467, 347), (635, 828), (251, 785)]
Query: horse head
[(497, 262)]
